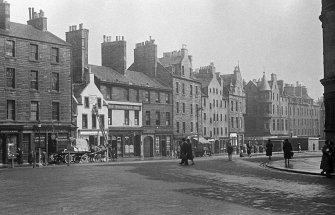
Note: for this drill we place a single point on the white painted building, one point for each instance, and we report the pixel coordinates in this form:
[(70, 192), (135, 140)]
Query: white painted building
[(86, 96)]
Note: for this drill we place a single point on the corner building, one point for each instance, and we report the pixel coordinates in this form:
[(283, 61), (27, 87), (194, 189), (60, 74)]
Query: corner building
[(278, 109), (35, 86)]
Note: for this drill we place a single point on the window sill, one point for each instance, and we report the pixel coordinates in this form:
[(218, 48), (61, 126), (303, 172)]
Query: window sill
[(10, 57), (54, 63), (34, 61)]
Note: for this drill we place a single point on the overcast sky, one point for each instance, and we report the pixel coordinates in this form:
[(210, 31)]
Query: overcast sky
[(275, 36)]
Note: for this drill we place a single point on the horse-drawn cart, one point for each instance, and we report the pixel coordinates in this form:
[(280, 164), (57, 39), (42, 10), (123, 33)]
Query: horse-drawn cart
[(79, 152)]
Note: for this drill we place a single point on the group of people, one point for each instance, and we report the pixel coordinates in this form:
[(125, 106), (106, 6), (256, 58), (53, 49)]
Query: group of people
[(186, 152), (328, 158), (287, 149)]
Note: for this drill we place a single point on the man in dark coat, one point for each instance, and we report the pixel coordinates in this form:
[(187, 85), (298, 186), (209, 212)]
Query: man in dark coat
[(287, 148), (326, 164), (19, 156), (183, 152), (189, 151), (269, 147)]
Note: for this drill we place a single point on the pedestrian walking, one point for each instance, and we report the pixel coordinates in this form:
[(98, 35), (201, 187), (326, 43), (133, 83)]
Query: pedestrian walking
[(326, 161), (183, 152), (230, 150), (30, 157), (19, 156), (299, 147), (287, 148), (249, 149), (269, 147), (189, 151)]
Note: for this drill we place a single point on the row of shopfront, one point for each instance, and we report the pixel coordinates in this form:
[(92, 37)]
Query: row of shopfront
[(128, 143), (30, 139)]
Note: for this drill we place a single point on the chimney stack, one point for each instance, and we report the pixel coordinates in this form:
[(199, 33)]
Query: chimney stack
[(37, 20), (113, 54), (4, 15)]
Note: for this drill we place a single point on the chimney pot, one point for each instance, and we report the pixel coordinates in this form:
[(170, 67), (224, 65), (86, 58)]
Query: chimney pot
[(81, 26), (29, 13), (122, 38)]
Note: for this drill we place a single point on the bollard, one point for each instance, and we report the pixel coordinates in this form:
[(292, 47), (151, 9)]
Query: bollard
[(68, 160), (12, 162)]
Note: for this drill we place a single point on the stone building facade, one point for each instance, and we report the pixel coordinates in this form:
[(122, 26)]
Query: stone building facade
[(139, 107), (186, 97), (35, 86), (233, 88), (214, 108), (278, 109), (327, 18)]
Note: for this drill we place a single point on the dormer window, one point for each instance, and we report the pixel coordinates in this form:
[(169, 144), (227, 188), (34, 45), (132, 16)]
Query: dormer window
[(182, 70)]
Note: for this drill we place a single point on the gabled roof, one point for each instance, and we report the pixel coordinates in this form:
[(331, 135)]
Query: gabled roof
[(77, 90), (29, 32)]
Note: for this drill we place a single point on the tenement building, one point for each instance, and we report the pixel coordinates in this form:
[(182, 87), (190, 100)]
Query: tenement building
[(214, 108), (278, 109), (233, 88), (327, 18), (139, 108), (177, 72), (35, 86)]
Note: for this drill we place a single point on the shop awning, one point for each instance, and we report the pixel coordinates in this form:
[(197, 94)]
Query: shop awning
[(201, 140)]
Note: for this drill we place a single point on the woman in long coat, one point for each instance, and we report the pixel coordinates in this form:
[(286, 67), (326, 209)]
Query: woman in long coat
[(269, 147), (326, 164), (287, 148)]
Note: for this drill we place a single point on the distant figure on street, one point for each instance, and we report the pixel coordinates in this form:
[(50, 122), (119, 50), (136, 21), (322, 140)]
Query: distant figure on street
[(183, 152), (30, 157), (326, 163), (19, 156), (230, 150), (299, 147), (287, 148), (269, 147), (249, 149), (189, 151), (113, 152)]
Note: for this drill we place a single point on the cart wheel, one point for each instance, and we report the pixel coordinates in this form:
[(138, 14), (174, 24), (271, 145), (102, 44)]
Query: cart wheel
[(67, 158), (84, 159)]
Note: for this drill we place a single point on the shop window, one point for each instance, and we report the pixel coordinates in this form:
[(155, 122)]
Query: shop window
[(137, 117)]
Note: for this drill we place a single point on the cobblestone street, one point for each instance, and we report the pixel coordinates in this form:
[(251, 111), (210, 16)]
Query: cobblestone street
[(212, 186)]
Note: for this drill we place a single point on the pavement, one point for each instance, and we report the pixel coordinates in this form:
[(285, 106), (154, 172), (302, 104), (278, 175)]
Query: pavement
[(303, 163)]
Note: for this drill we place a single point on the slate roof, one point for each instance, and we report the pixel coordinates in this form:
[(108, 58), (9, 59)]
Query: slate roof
[(29, 32), (167, 61), (141, 79), (130, 78), (108, 74), (264, 85), (77, 90)]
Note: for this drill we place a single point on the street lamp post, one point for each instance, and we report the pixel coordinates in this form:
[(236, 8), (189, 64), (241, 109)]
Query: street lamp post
[(39, 125)]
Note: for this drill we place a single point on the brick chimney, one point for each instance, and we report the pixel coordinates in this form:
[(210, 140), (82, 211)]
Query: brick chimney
[(4, 15), (37, 20), (145, 58), (78, 38), (113, 53)]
